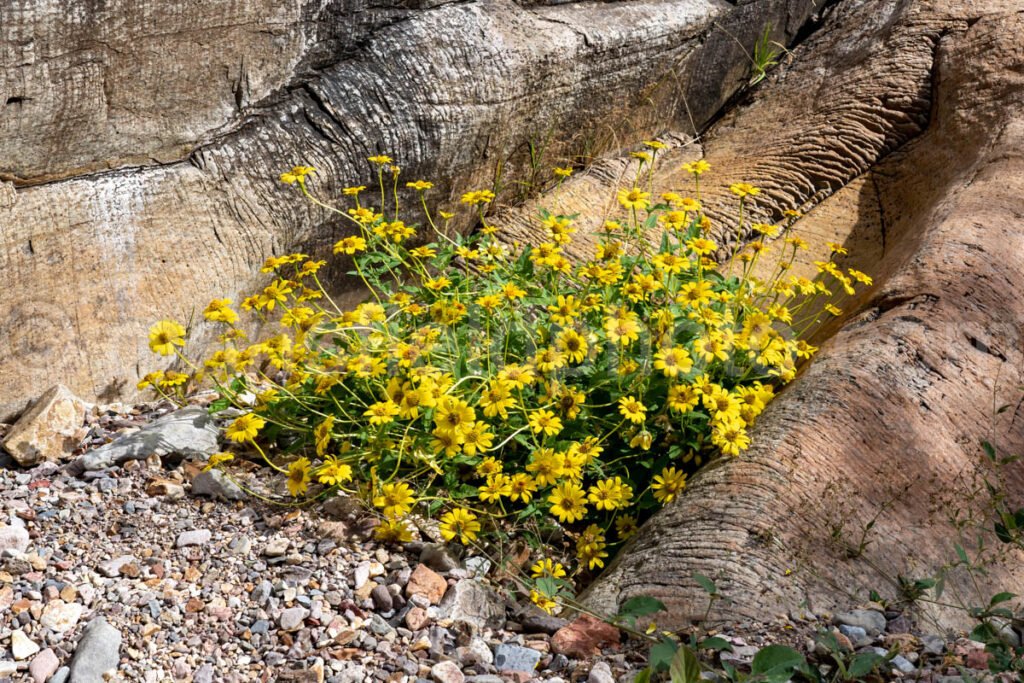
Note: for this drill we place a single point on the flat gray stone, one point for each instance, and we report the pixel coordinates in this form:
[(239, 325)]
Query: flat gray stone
[(98, 651), (515, 658), (195, 537), (868, 619), (216, 485), (600, 673), (186, 433), (292, 618)]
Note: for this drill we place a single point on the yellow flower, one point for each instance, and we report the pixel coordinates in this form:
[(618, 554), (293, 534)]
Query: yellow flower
[(610, 494), (696, 167), (460, 523), (742, 190), (546, 465), (297, 174), (393, 531), (668, 484), (563, 172), (543, 601), (164, 336), (625, 526), (298, 477), (151, 379), (477, 197), (522, 487), (453, 415), (244, 428), (547, 567), (546, 422), (683, 398), (219, 311), (322, 434), (622, 327), (730, 436), (218, 459), (333, 472), (568, 502), (673, 361), (353, 191), (379, 159), (634, 198), (395, 500), (420, 185), (572, 344), (632, 409), (497, 486), (476, 438), (590, 547), (349, 245), (381, 413)]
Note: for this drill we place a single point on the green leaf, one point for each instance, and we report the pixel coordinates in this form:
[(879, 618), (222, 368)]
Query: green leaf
[(643, 677), (863, 664), (218, 405), (707, 584), (777, 662), (1001, 597), (715, 643), (961, 553), (989, 450), (684, 668), (662, 654), (641, 606)]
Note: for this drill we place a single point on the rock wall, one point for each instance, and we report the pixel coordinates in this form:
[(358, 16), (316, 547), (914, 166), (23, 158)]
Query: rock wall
[(143, 139)]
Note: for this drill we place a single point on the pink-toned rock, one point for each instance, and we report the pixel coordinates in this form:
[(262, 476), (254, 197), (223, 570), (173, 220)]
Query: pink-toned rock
[(584, 637), (426, 582), (47, 430), (43, 666), (416, 619)]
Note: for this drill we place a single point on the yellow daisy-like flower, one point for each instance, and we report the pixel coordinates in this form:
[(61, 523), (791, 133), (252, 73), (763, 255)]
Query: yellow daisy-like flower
[(218, 459), (334, 472), (523, 487), (349, 245), (244, 428), (298, 477), (219, 310), (625, 526), (460, 523), (420, 185), (696, 167), (668, 484), (568, 502), (545, 422), (164, 336), (742, 190), (395, 500), (633, 198), (547, 567), (297, 174), (379, 159), (562, 172), (382, 412), (543, 601), (353, 191), (632, 409), (673, 361), (393, 531), (495, 487)]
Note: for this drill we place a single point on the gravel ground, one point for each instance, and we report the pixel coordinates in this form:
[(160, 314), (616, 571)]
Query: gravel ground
[(126, 573)]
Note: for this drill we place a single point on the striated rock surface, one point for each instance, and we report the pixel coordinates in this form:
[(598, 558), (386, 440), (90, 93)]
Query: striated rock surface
[(174, 123)]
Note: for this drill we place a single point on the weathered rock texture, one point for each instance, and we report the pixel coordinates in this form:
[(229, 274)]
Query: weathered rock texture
[(47, 431), (904, 121), (196, 107)]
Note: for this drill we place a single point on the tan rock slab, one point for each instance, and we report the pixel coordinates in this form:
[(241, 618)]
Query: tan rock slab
[(47, 430)]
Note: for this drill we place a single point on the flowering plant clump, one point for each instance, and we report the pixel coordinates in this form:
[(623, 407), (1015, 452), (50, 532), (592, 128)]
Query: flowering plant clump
[(499, 389)]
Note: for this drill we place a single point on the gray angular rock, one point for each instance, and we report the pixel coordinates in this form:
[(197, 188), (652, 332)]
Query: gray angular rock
[(194, 537), (868, 619), (292, 618), (216, 485), (439, 557), (509, 657), (858, 636), (61, 676), (98, 651), (472, 602), (600, 673), (186, 433)]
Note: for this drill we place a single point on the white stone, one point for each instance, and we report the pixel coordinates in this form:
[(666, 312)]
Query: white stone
[(22, 646)]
